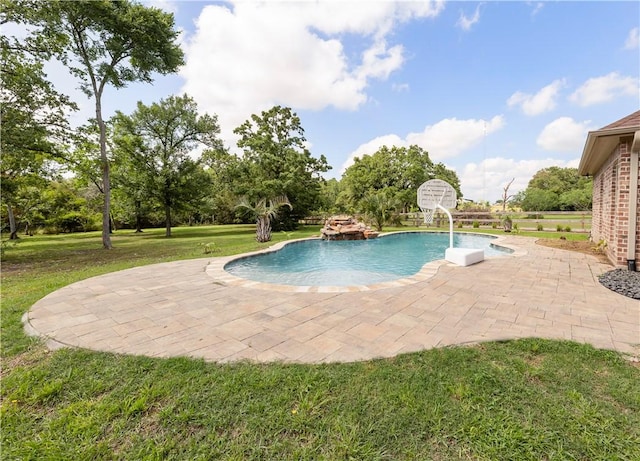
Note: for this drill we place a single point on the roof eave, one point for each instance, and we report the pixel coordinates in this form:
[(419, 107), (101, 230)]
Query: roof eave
[(592, 157)]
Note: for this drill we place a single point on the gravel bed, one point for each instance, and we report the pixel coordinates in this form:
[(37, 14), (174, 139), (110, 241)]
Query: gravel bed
[(622, 281)]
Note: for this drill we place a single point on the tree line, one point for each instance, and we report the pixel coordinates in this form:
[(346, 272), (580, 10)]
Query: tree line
[(141, 169)]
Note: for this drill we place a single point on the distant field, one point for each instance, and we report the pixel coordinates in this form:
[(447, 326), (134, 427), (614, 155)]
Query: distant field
[(550, 220)]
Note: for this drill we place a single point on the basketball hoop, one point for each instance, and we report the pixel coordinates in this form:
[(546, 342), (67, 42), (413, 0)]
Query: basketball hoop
[(437, 193), (433, 193)]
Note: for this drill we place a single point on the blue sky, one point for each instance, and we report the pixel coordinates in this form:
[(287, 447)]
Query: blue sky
[(494, 90)]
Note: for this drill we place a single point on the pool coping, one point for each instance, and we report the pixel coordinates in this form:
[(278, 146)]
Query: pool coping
[(215, 269)]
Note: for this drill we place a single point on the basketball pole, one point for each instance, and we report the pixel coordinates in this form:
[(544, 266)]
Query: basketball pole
[(450, 224)]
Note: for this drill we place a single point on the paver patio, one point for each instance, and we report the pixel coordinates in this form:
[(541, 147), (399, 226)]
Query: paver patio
[(193, 308)]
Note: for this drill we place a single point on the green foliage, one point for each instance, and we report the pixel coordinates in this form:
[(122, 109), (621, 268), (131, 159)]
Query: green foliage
[(567, 229), (559, 228), (379, 208), (396, 170), (476, 224), (58, 206), (154, 144), (328, 202), (474, 207), (540, 200), (227, 173), (577, 199), (540, 227), (74, 221), (507, 223), (265, 211), (102, 43), (208, 248), (601, 246), (277, 162), (555, 189), (34, 124), (5, 244)]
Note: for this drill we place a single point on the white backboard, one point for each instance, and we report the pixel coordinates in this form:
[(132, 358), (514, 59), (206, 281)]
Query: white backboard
[(437, 192)]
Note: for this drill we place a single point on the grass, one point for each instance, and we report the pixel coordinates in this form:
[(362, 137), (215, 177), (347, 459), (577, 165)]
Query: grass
[(527, 399)]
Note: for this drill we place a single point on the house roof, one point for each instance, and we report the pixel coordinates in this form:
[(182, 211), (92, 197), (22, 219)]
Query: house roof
[(601, 143), (632, 120)]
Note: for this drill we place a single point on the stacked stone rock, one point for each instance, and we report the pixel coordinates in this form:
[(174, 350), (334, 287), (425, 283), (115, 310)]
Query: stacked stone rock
[(343, 227)]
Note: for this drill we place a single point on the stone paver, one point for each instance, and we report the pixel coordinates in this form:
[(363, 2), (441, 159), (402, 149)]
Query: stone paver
[(193, 308)]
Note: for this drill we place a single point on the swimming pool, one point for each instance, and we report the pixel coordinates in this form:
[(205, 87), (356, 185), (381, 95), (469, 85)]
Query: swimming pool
[(318, 262)]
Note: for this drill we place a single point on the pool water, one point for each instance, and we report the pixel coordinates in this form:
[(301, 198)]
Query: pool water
[(362, 262)]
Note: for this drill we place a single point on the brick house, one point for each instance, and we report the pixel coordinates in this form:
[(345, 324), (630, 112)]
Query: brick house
[(610, 156)]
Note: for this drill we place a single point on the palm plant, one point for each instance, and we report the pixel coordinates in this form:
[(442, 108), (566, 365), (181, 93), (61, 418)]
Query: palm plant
[(264, 212), (379, 208)]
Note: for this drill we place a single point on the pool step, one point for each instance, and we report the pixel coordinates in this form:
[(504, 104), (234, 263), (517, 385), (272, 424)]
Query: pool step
[(464, 256)]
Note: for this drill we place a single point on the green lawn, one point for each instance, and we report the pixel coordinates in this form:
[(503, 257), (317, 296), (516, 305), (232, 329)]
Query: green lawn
[(528, 399)]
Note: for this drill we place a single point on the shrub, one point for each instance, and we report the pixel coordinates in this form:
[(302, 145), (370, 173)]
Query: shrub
[(459, 224), (494, 225), (540, 227), (601, 246), (567, 229), (559, 228), (507, 223), (476, 224), (209, 248)]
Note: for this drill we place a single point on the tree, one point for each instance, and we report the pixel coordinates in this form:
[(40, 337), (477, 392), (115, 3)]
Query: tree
[(103, 43), (265, 211), (329, 192), (158, 140), (505, 195), (131, 196), (277, 162), (540, 200), (400, 169), (34, 123), (227, 173), (580, 199), (548, 186)]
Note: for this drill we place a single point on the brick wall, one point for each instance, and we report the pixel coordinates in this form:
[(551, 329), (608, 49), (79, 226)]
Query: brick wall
[(611, 204)]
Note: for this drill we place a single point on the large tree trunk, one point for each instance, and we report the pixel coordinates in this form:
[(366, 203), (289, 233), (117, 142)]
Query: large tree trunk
[(106, 181), (13, 229), (138, 217), (167, 217), (263, 229)]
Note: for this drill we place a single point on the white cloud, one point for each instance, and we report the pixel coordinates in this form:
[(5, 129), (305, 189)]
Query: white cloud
[(447, 138), (450, 137), (465, 23), (563, 135), (535, 104), (166, 5), (486, 180), (633, 40), (248, 56), (604, 89)]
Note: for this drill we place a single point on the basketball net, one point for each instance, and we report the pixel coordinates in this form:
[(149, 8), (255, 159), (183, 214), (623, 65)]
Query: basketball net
[(428, 213)]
